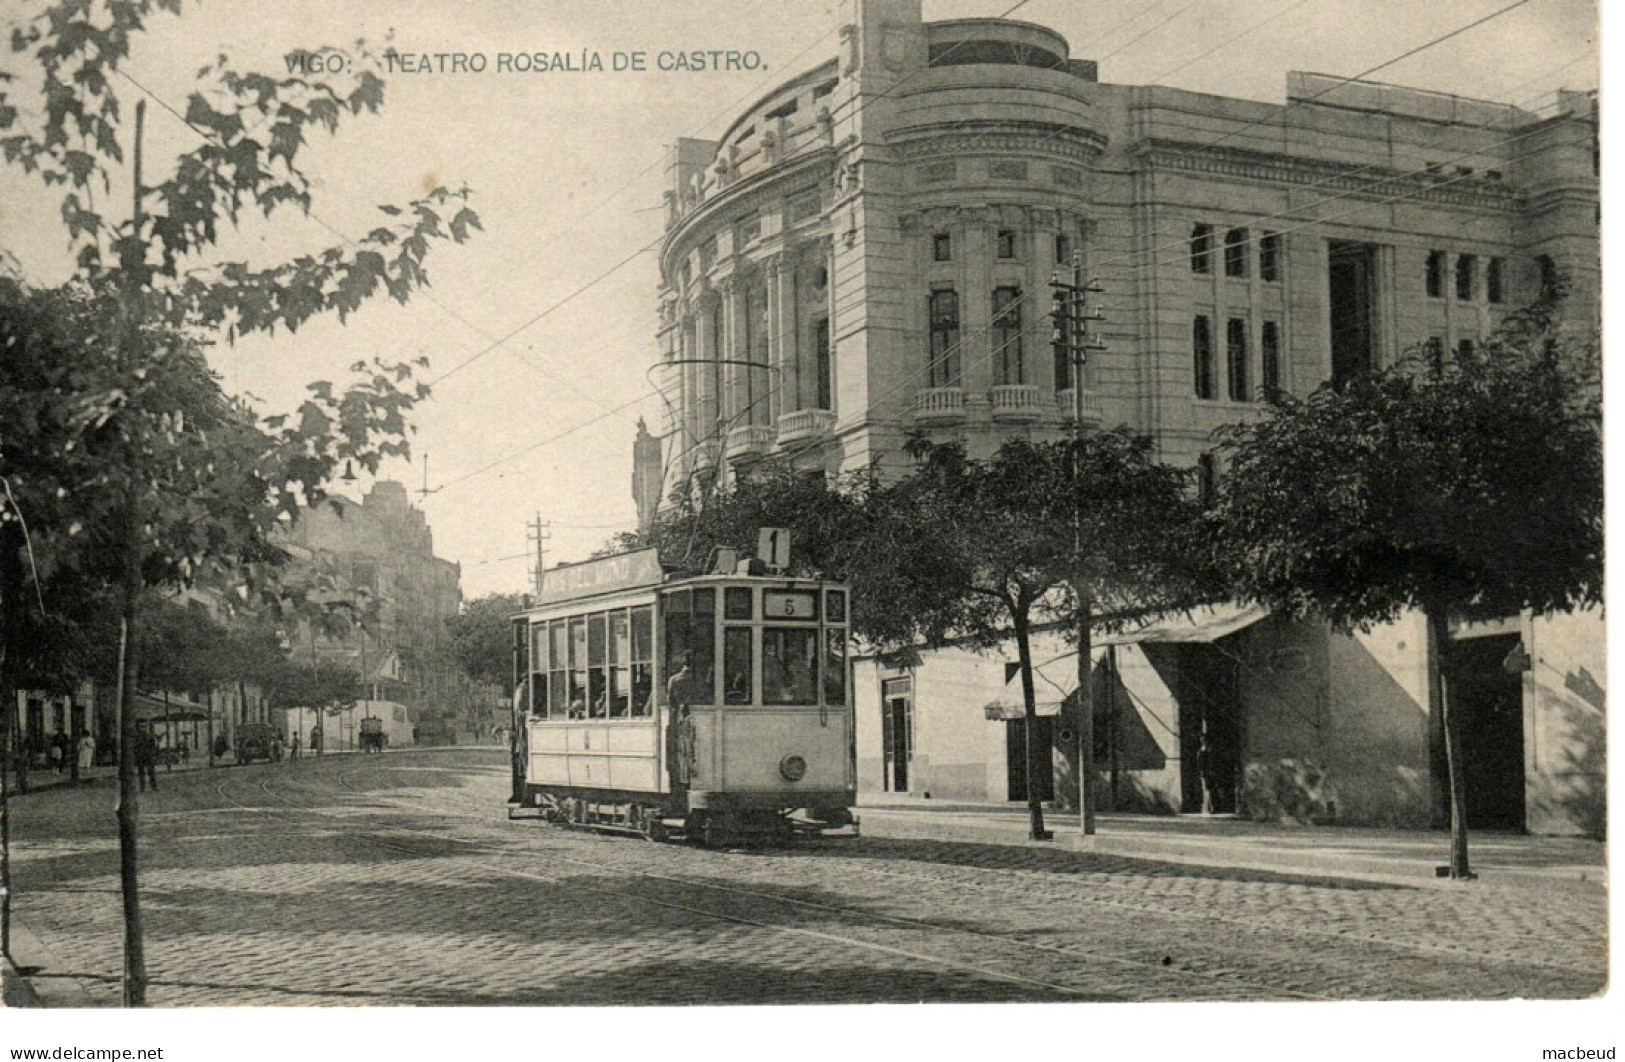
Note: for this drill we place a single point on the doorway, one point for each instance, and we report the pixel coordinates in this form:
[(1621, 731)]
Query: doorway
[(1488, 704), (1209, 729), (896, 732), (1043, 779), (1352, 275)]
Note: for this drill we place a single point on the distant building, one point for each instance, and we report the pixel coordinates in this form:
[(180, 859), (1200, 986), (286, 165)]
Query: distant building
[(377, 564), (866, 252)]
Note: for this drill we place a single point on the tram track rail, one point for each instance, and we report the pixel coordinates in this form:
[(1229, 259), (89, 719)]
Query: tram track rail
[(1165, 971), (1042, 886), (1038, 885)]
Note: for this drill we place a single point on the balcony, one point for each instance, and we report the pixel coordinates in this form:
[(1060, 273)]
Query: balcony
[(940, 405), (1093, 410), (805, 424), (748, 441), (1015, 402)]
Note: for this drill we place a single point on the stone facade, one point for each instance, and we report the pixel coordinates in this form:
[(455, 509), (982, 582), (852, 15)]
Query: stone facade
[(867, 251)]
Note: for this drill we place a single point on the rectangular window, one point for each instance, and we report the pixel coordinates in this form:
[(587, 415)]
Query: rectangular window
[(1466, 266), (558, 687), (538, 665), (1235, 253), (1063, 249), (790, 665), (1202, 349), (822, 369), (1465, 348), (1435, 274), (736, 665), (643, 655), (597, 666), (1235, 356), (1202, 249), (1006, 244), (1270, 353), (1269, 257), (1495, 281), (690, 640), (578, 668), (834, 668), (942, 247), (1007, 354), (736, 603), (943, 369), (620, 658)]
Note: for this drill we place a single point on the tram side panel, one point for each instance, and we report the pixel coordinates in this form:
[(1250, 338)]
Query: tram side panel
[(621, 756), (757, 747)]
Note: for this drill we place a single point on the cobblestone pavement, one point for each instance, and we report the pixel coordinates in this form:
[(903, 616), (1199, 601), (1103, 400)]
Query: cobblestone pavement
[(397, 880)]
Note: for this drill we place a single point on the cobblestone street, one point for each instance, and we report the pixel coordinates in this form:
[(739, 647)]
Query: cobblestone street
[(397, 880)]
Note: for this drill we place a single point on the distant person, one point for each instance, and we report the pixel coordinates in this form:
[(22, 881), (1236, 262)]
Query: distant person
[(293, 750), (60, 751), (146, 756), (87, 750)]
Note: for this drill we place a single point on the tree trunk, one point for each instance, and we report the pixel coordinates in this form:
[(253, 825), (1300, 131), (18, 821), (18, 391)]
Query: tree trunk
[(11, 598), (1035, 805), (1439, 703), (1114, 729), (127, 808), (1086, 716)]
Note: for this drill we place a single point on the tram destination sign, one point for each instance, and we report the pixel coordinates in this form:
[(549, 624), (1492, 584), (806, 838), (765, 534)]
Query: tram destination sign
[(624, 571)]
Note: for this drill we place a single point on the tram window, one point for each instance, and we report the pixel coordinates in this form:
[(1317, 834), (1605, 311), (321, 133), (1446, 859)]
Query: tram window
[(620, 645), (538, 665), (736, 669), (736, 603), (578, 668), (834, 667), (691, 636), (790, 665), (835, 606), (597, 664), (643, 652), (558, 689)]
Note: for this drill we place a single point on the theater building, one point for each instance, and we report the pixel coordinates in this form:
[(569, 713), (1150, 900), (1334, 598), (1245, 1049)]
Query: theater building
[(866, 253)]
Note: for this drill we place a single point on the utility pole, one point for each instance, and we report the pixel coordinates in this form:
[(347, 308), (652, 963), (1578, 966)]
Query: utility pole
[(1072, 342), (538, 532)]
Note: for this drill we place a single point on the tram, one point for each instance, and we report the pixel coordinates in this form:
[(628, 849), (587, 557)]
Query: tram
[(715, 707)]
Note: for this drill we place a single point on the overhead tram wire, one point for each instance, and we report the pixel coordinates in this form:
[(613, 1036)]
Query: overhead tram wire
[(625, 261), (424, 291), (1150, 253), (914, 384)]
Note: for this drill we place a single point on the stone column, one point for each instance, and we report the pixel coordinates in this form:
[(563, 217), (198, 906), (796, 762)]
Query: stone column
[(778, 377), (730, 404)]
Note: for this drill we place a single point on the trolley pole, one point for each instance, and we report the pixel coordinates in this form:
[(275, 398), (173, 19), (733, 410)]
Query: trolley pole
[(1073, 342)]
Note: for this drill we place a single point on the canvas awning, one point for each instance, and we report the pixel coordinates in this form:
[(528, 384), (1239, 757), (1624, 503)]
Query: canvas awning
[(1055, 680)]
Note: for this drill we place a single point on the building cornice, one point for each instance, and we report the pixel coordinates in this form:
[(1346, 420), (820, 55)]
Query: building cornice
[(1339, 179), (952, 139), (757, 191)]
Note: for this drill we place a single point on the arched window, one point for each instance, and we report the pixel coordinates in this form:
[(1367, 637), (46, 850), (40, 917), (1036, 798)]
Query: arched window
[(943, 367)]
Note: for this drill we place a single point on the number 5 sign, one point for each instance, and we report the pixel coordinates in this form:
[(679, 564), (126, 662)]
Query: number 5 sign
[(773, 547)]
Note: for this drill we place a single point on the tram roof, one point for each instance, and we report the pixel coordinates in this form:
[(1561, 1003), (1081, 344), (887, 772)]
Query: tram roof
[(624, 573)]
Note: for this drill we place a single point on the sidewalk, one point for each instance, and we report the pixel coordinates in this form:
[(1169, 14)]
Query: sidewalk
[(1397, 856)]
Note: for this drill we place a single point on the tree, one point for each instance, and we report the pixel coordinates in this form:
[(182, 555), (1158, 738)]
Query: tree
[(172, 475), (1093, 532), (1466, 487), (482, 638)]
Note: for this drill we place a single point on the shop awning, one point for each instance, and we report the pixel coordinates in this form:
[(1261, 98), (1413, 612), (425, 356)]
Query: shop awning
[(1055, 680), (1208, 623)]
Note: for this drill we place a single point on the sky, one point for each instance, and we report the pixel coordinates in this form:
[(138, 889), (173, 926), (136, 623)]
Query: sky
[(540, 331)]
